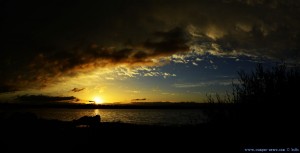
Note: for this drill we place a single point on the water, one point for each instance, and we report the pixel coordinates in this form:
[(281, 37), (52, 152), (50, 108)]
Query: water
[(135, 116)]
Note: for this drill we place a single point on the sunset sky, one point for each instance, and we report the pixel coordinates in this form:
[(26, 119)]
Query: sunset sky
[(139, 50)]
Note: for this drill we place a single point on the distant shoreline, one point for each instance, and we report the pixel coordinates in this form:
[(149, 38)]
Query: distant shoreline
[(154, 105)]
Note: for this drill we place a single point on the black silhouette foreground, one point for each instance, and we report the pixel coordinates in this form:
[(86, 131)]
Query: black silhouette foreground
[(88, 121), (87, 134)]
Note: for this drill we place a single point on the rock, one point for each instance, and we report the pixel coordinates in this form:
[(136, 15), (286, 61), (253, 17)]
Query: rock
[(87, 121)]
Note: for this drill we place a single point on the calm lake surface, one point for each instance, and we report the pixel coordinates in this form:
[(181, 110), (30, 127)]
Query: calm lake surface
[(136, 116)]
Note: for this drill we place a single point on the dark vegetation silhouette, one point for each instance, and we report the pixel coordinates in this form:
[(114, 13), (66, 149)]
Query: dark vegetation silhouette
[(277, 85), (265, 96)]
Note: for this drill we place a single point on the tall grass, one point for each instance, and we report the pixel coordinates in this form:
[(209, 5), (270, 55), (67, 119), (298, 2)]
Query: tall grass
[(279, 84), (266, 96)]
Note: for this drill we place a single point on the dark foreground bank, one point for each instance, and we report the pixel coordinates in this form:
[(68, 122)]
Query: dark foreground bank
[(26, 132)]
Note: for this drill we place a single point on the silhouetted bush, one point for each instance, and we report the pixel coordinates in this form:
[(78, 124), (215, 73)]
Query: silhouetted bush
[(276, 85), (264, 96), (227, 98)]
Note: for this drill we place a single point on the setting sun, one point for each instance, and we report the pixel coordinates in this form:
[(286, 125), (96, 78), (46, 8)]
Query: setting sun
[(98, 100)]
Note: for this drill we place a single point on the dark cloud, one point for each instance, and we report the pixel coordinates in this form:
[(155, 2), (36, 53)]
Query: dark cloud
[(42, 41), (260, 28), (7, 89), (268, 3), (77, 89), (143, 99), (168, 43), (46, 67), (45, 98)]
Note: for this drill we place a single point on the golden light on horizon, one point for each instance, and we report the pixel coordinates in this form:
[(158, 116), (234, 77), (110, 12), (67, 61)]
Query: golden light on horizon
[(98, 100)]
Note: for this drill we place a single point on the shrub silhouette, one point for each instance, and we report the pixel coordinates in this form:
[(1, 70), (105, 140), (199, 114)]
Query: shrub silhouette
[(264, 86), (264, 96)]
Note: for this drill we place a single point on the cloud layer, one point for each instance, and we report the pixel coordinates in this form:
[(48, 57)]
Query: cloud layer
[(44, 98), (77, 89), (45, 41)]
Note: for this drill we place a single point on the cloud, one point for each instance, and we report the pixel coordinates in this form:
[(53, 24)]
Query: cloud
[(45, 98), (168, 43), (7, 89), (163, 74), (109, 78), (188, 85), (133, 91), (77, 89), (151, 74), (41, 44), (254, 28), (48, 67), (205, 84), (143, 99), (167, 93)]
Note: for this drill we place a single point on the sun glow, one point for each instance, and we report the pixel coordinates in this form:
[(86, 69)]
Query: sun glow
[(98, 100)]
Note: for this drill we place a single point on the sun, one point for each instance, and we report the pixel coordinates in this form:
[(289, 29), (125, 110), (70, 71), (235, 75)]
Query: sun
[(98, 100)]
